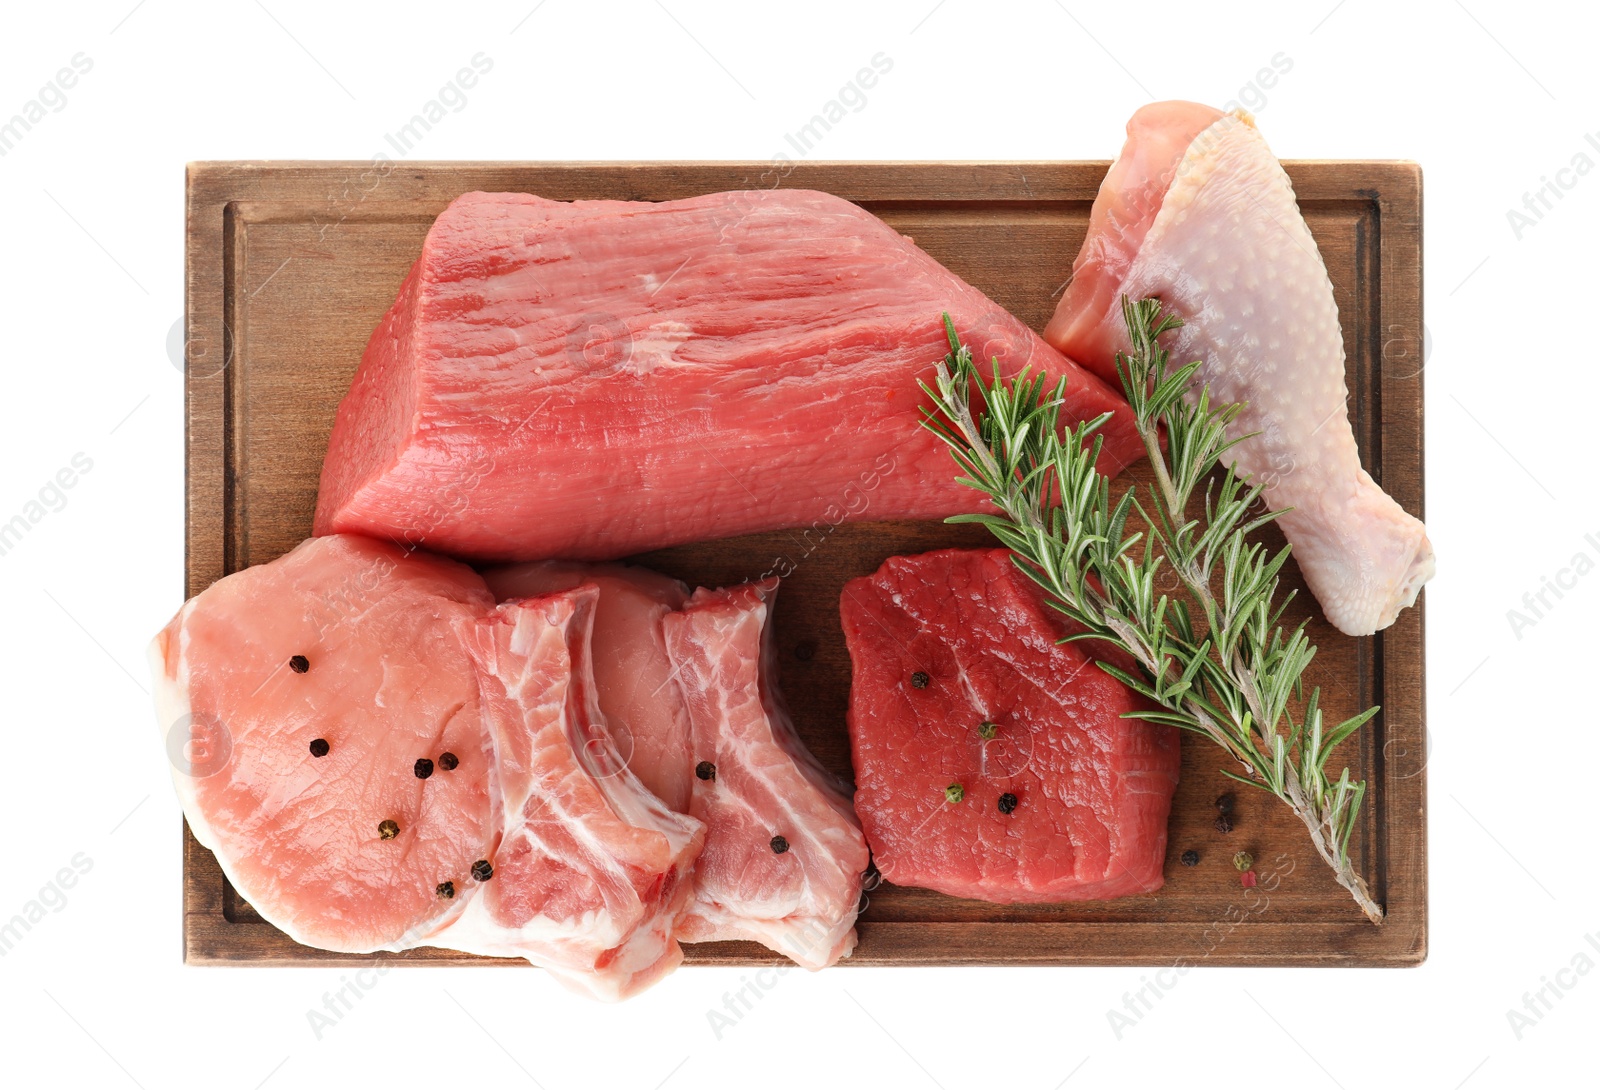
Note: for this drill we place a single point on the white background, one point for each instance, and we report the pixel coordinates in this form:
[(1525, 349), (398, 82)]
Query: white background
[(1490, 98)]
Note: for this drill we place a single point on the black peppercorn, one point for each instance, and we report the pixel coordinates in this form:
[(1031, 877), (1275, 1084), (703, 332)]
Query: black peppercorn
[(1224, 823), (1189, 858), (804, 650), (445, 889), (1007, 803), (779, 845), (482, 871), (388, 829), (705, 770), (448, 761), (319, 747), (1224, 803), (299, 664), (919, 680), (424, 768)]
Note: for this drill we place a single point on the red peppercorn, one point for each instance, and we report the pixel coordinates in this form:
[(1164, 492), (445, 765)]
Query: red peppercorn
[(1248, 879)]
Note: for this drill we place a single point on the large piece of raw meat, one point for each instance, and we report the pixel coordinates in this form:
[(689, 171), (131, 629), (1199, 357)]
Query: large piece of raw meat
[(1196, 210), (593, 379)]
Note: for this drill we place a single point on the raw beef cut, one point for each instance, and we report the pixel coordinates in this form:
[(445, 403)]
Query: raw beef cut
[(592, 872), (638, 693), (1197, 211), (991, 761), (784, 855), (345, 647), (598, 378)]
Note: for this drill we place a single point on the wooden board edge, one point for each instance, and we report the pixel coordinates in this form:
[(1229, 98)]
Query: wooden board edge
[(211, 941), (1400, 358), (343, 188)]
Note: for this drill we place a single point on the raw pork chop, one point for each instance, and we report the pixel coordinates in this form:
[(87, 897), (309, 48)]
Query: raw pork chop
[(784, 854), (599, 378), (638, 694), (351, 642), (592, 873), (946, 642), (1197, 211)]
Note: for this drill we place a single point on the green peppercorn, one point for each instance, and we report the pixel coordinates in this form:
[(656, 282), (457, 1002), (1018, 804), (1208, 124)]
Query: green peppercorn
[(955, 793), (987, 730), (1243, 860)]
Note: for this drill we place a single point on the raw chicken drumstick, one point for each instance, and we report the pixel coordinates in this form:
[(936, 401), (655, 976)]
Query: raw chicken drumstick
[(1197, 211)]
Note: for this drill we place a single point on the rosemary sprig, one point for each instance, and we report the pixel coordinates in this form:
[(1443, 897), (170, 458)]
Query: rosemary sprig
[(1212, 655)]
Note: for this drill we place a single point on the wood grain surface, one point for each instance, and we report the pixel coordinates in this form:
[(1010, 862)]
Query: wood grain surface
[(290, 265)]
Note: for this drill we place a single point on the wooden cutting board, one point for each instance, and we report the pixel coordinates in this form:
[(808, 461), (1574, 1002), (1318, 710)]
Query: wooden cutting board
[(290, 266)]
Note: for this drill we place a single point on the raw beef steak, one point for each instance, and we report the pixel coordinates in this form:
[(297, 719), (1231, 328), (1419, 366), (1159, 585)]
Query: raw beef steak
[(990, 760)]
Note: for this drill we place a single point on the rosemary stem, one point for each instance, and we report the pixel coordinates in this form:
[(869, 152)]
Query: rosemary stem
[(1152, 451), (1199, 587), (1325, 838), (1055, 514)]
